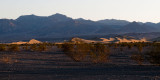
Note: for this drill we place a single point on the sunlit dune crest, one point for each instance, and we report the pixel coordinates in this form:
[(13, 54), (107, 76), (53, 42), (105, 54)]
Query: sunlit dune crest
[(131, 40), (104, 40), (32, 41), (20, 42), (79, 40), (110, 40)]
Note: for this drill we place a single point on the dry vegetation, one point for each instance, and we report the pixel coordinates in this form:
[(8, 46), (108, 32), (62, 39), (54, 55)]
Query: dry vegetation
[(100, 53), (91, 52), (94, 52)]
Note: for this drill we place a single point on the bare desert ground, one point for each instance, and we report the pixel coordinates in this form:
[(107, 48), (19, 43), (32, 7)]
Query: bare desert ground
[(58, 66)]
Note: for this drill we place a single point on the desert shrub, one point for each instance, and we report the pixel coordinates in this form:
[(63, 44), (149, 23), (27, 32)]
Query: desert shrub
[(139, 58), (50, 45), (121, 48), (33, 47), (67, 47), (153, 56), (2, 47), (60, 45), (42, 47), (25, 47), (140, 47), (14, 48), (123, 44), (110, 44), (130, 45), (76, 51), (6, 59), (115, 46), (80, 51), (99, 53)]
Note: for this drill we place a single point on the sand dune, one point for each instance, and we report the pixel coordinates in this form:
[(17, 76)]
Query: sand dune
[(32, 41), (110, 40), (131, 40), (104, 40), (79, 40)]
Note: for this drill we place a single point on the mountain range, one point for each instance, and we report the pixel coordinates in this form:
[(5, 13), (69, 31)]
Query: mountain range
[(60, 26)]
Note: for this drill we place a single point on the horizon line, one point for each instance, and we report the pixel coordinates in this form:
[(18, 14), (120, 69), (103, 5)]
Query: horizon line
[(82, 18)]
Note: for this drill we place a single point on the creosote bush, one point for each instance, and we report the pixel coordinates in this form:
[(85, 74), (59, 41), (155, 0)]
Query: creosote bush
[(42, 47), (140, 47), (139, 58), (153, 56), (80, 51), (75, 51), (67, 47), (33, 47), (3, 47), (130, 45), (97, 53), (14, 47), (25, 47)]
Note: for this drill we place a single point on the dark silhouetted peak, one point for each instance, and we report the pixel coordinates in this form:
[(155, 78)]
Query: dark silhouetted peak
[(28, 17), (7, 22), (150, 24), (134, 24), (59, 17), (59, 25), (136, 27), (88, 22), (114, 22), (80, 19), (158, 24), (7, 25)]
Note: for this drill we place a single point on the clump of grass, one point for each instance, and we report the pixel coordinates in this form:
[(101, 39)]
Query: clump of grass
[(97, 53), (26, 47), (153, 56), (140, 47), (8, 60), (76, 51), (42, 47), (14, 48), (139, 58), (130, 45), (3, 47), (81, 51), (67, 47), (33, 47)]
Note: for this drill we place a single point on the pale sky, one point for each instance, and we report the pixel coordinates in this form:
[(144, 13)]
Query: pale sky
[(132, 10)]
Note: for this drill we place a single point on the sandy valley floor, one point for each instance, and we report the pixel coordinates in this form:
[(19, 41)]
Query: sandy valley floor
[(58, 66)]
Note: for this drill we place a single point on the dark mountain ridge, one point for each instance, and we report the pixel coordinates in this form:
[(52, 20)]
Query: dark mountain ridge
[(60, 26)]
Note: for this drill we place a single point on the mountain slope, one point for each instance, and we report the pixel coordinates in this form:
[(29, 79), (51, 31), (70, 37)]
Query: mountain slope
[(57, 25), (114, 22), (135, 27), (60, 26)]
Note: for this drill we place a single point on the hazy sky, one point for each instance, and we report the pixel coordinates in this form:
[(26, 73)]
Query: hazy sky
[(132, 10)]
